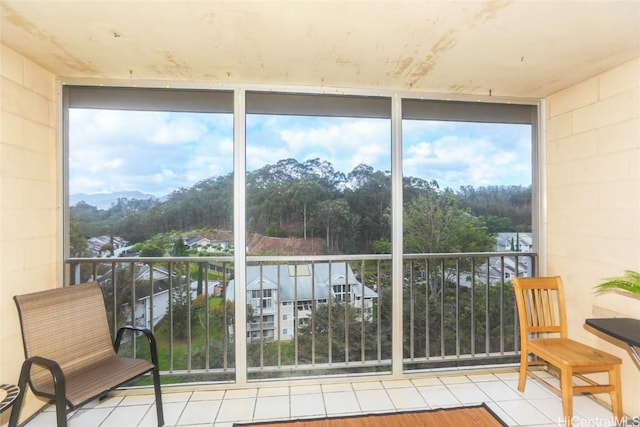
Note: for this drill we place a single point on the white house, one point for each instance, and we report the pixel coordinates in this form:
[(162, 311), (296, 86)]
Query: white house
[(280, 295)]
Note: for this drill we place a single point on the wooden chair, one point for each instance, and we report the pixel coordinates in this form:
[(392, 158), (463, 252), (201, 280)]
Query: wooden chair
[(543, 333), (68, 350)]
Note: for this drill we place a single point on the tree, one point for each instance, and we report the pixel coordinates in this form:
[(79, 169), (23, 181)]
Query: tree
[(436, 224), (179, 247), (332, 215), (151, 250), (77, 242)]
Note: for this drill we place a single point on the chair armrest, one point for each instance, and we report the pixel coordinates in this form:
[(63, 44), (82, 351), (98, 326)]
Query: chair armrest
[(151, 339), (53, 367), (59, 385)]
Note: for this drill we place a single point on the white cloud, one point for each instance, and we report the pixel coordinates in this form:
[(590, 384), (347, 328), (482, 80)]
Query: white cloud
[(159, 152)]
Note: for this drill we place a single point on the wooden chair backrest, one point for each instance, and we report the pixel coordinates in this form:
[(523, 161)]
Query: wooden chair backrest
[(68, 325), (541, 306)]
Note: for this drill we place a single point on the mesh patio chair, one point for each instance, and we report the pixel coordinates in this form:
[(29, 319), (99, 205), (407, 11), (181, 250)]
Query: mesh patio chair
[(70, 357)]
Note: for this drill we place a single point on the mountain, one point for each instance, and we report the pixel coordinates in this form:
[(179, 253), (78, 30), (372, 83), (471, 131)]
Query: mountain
[(106, 200)]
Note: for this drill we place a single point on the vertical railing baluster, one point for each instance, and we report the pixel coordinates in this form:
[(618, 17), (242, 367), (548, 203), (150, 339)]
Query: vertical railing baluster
[(412, 325), (330, 319), (296, 317), (473, 306), (379, 303), (363, 319), (277, 323), (347, 306), (487, 306), (132, 269), (502, 270), (427, 323), (443, 287), (207, 316), (457, 304), (170, 314), (189, 320), (313, 314)]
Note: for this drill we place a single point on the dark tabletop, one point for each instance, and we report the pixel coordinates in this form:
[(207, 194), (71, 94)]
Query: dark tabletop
[(622, 328)]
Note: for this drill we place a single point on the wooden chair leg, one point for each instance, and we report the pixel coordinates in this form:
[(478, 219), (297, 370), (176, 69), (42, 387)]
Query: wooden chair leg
[(566, 386), (524, 365), (616, 394)]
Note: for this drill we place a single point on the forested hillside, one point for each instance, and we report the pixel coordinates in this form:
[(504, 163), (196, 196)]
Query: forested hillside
[(350, 212)]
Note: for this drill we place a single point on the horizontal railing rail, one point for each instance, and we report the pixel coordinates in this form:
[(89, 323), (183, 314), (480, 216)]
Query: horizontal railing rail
[(314, 315)]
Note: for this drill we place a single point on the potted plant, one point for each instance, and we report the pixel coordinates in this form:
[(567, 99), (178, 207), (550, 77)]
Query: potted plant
[(630, 282)]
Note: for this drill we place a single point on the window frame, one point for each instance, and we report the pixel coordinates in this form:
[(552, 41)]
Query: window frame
[(239, 99)]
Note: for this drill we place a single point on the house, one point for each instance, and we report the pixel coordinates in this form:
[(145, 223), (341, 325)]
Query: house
[(283, 296), (200, 243), (197, 241)]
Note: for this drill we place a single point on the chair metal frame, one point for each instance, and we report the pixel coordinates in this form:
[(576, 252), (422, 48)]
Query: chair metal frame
[(69, 356)]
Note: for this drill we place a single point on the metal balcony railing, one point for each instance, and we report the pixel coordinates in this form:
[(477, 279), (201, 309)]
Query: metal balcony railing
[(326, 315)]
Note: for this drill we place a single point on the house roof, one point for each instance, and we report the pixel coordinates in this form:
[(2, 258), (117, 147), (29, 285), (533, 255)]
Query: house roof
[(504, 48), (299, 286)]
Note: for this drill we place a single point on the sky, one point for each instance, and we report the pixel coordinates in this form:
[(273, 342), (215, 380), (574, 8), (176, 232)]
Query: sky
[(158, 152)]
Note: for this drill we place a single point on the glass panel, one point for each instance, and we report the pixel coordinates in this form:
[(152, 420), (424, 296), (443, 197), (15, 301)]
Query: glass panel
[(155, 184), (322, 183), (318, 183), (467, 189)]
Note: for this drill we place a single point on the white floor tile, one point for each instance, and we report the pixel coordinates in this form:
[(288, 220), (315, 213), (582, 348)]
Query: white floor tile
[(305, 389), (592, 410), (371, 401), (438, 396), (497, 390), (140, 399), (272, 408), (238, 410), (368, 385), (420, 382), (199, 412), (307, 405), (468, 394), (83, 418), (523, 413), (397, 384), (551, 407), (241, 393), (341, 403), (331, 388), (171, 410), (273, 391), (125, 416), (501, 414), (457, 379), (110, 401), (176, 397), (532, 390), (476, 378), (407, 398), (537, 406), (207, 395)]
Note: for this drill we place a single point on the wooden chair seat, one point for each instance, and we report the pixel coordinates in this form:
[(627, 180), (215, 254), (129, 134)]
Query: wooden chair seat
[(565, 351), (543, 334)]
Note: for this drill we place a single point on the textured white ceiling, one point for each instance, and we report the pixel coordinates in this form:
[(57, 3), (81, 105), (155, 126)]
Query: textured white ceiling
[(511, 48)]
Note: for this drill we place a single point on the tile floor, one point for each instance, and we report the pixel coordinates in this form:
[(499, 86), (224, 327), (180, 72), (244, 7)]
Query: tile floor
[(219, 408)]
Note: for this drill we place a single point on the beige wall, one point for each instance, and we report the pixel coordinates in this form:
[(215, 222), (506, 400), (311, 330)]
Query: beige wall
[(593, 165), (29, 255)]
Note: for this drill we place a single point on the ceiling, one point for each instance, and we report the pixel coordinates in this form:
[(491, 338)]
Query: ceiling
[(503, 48)]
